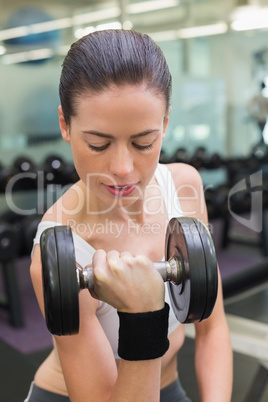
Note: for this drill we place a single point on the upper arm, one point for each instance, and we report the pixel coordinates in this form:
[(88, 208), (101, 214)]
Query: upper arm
[(87, 359), (189, 186)]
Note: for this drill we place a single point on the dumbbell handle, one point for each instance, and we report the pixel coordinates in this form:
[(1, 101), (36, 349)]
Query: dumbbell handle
[(169, 270)]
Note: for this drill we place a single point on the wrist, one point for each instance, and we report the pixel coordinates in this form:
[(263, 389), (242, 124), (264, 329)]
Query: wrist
[(143, 336)]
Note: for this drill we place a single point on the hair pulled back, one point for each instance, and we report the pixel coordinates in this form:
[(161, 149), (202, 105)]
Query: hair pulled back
[(112, 57)]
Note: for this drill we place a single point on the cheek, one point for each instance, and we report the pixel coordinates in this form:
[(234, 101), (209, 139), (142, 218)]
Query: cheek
[(158, 147), (81, 159)]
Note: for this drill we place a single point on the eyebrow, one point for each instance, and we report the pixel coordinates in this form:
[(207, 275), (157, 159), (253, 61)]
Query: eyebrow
[(102, 135)]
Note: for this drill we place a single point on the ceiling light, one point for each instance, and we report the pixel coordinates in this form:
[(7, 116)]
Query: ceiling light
[(2, 50), (85, 18), (37, 54), (205, 30), (80, 32), (16, 32), (94, 16), (146, 6), (163, 36), (110, 25), (127, 25), (249, 18), (61, 23), (50, 25), (247, 25)]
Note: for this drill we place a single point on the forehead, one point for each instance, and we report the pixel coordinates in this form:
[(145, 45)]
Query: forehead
[(124, 110), (124, 98)]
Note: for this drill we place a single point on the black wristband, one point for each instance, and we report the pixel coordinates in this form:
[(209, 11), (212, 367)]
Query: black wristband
[(143, 336)]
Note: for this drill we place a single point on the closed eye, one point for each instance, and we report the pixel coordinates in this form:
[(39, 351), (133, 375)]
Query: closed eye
[(98, 149), (143, 147)]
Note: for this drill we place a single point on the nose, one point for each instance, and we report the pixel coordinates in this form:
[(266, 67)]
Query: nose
[(121, 164)]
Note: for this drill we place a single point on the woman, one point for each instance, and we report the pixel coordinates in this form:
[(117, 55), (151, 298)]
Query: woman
[(115, 103)]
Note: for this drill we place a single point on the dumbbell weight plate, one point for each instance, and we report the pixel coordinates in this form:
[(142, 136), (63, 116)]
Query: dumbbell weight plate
[(60, 285), (52, 300), (211, 267), (194, 299), (68, 282), (183, 241)]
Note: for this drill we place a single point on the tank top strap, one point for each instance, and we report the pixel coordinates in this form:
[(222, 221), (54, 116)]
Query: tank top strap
[(165, 181)]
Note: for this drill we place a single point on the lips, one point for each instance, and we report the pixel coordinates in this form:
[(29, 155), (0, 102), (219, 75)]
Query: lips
[(122, 187), (121, 191)]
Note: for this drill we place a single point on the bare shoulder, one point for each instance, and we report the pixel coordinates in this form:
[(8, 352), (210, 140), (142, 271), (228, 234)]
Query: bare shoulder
[(189, 186), (184, 174), (67, 206)]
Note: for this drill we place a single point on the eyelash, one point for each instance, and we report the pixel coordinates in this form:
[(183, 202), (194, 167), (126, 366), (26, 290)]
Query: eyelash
[(98, 149), (143, 147), (102, 148)]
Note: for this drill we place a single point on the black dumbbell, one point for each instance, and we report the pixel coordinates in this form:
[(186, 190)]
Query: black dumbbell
[(23, 164), (58, 172), (53, 168), (24, 228), (69, 174), (180, 156), (214, 161), (26, 176), (190, 269), (163, 158), (199, 158), (240, 201), (6, 174)]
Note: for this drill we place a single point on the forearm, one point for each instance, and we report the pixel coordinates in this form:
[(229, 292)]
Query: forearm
[(214, 365), (137, 381)]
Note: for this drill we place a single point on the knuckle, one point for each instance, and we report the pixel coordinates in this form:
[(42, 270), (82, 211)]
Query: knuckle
[(115, 266), (126, 254), (113, 263), (112, 254), (143, 261), (98, 257), (128, 260)]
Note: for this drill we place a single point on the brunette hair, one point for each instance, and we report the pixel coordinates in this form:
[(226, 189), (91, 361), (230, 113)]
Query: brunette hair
[(112, 57)]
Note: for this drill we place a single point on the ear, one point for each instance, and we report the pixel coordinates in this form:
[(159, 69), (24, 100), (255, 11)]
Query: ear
[(165, 123), (63, 126)]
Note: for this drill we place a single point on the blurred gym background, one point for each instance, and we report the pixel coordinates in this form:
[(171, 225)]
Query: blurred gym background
[(217, 51)]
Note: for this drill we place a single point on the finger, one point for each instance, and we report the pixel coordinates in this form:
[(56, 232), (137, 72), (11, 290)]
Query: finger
[(99, 258), (142, 260), (126, 253), (98, 265), (127, 258), (113, 255)]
